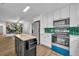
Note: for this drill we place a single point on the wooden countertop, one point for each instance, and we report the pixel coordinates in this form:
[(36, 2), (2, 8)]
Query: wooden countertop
[(25, 37)]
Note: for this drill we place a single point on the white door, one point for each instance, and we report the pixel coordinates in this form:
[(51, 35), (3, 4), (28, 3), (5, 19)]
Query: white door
[(36, 30)]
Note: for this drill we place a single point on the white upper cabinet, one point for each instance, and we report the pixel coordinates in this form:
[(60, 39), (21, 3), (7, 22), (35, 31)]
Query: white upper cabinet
[(64, 12), (57, 15), (46, 39), (77, 14), (61, 13), (42, 39), (43, 22), (50, 21), (74, 15)]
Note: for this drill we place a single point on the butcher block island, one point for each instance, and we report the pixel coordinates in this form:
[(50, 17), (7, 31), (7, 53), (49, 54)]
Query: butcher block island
[(25, 45)]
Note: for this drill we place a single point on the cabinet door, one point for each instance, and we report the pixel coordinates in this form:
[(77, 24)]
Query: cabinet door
[(48, 40), (57, 15), (74, 50), (77, 14), (73, 15), (65, 12), (50, 21), (44, 22), (42, 39)]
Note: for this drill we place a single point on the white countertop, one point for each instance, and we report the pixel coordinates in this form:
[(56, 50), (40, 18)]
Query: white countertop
[(25, 37)]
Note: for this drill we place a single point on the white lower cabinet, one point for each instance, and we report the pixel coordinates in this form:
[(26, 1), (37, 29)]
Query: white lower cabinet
[(48, 40), (42, 39), (45, 39), (74, 44)]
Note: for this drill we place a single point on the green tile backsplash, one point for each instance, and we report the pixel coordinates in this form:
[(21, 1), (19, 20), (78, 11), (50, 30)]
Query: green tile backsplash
[(72, 30)]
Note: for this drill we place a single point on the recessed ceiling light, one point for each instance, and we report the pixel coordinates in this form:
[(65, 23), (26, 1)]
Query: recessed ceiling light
[(26, 9)]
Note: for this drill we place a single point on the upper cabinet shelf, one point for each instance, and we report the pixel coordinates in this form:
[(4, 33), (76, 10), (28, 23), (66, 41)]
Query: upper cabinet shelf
[(62, 22)]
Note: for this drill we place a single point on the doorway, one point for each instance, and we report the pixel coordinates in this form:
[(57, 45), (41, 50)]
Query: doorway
[(36, 30)]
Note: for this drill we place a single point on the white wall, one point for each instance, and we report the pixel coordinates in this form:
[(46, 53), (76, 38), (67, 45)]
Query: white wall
[(1, 28), (26, 27)]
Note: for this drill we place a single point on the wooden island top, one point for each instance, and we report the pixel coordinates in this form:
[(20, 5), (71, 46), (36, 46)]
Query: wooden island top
[(25, 37)]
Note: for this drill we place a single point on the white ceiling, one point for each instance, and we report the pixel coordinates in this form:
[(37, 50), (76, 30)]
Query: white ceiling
[(15, 9)]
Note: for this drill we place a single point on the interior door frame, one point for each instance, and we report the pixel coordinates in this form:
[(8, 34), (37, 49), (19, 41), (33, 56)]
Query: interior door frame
[(39, 29)]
